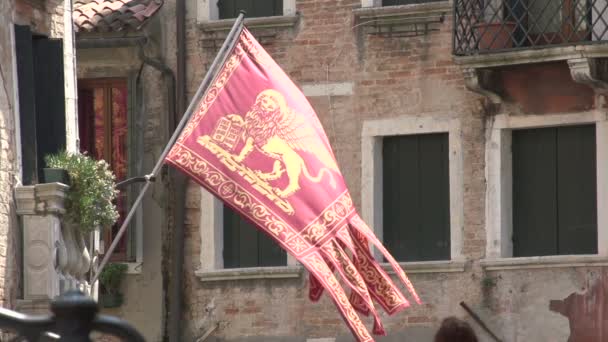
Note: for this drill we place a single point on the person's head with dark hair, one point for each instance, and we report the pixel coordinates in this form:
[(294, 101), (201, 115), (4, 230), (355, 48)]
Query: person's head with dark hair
[(453, 329)]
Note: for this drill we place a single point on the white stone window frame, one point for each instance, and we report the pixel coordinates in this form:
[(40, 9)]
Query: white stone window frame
[(371, 3), (499, 201), (211, 227), (208, 11), (373, 133)]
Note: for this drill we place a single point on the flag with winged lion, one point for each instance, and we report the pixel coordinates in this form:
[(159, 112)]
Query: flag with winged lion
[(256, 143)]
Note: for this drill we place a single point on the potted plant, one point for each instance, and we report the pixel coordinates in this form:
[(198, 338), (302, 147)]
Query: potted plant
[(111, 278), (89, 205), (92, 193), (56, 175)]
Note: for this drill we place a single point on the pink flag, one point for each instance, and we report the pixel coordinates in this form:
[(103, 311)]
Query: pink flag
[(257, 144)]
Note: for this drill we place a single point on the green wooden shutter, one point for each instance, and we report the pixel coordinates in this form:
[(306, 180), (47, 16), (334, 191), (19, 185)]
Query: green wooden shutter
[(50, 98), (27, 105), (253, 8), (269, 252), (231, 239), (534, 192), (416, 214), (248, 242), (554, 191), (246, 246), (577, 189)]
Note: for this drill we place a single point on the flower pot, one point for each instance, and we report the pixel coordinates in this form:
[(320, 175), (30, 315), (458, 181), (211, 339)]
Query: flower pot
[(110, 300), (52, 175), (494, 36)]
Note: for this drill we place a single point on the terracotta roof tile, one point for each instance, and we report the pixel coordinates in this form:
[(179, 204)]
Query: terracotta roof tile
[(113, 15)]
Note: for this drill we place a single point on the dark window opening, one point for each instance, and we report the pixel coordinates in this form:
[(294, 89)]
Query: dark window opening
[(103, 131), (554, 191), (254, 8), (416, 197), (41, 100), (247, 246)]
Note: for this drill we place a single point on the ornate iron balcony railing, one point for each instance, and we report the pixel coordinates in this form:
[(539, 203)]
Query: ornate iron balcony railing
[(482, 26)]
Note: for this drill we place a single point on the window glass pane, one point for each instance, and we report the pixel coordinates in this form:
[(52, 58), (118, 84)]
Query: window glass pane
[(416, 214), (103, 135), (545, 16)]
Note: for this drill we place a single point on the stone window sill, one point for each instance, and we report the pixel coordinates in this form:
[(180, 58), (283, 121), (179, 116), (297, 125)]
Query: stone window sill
[(424, 13), (441, 266), (553, 261), (528, 56), (280, 21), (281, 272)]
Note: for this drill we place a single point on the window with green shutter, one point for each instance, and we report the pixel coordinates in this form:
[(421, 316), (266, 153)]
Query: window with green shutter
[(554, 191), (247, 246), (253, 8), (416, 197), (41, 100)]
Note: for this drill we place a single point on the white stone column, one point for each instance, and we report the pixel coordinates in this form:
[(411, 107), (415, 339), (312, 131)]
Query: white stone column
[(499, 194)]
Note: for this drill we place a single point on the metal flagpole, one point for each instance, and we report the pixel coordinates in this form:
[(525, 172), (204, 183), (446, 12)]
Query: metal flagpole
[(219, 61)]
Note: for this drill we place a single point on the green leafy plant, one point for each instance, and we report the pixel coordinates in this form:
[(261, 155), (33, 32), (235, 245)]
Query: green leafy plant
[(111, 277), (90, 199)]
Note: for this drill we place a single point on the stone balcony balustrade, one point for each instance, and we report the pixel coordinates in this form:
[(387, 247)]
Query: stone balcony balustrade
[(56, 256)]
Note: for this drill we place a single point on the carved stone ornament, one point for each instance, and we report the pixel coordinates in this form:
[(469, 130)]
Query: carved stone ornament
[(590, 71), (477, 80)]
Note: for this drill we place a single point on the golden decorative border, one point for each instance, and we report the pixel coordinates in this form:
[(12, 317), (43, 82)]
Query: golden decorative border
[(315, 263), (234, 194), (329, 219)]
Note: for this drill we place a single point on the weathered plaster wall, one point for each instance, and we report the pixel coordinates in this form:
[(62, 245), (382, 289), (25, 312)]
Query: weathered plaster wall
[(9, 255), (45, 17), (143, 289)]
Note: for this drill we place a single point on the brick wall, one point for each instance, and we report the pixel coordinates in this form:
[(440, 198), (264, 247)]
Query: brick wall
[(392, 77)]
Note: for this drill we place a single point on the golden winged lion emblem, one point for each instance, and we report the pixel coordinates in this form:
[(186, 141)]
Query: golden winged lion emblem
[(278, 132)]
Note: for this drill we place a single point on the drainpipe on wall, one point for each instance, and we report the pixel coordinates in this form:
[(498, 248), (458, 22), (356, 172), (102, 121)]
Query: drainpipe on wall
[(179, 182)]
